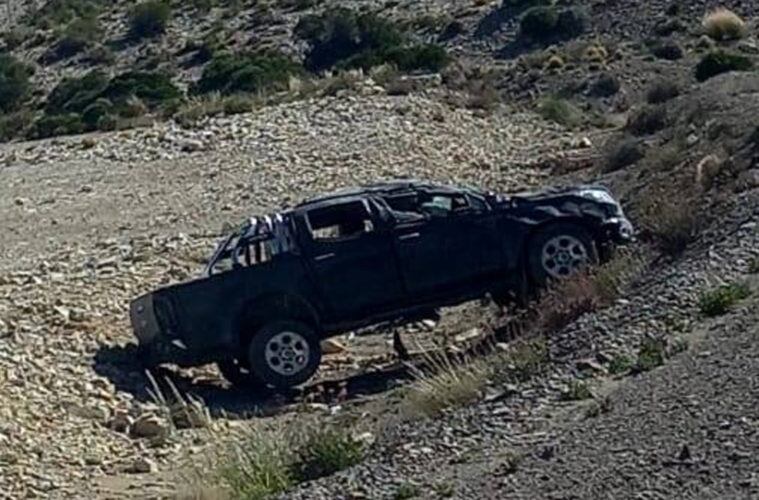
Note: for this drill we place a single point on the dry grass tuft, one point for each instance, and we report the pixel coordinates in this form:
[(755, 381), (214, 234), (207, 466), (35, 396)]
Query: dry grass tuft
[(724, 24), (445, 383)]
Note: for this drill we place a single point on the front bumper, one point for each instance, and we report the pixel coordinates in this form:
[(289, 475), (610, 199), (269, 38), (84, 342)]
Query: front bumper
[(619, 230)]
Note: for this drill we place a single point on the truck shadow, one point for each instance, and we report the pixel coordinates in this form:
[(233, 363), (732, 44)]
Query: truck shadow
[(120, 365)]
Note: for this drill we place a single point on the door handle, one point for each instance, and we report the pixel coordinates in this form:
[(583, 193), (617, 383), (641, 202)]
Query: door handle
[(324, 256), (409, 236)]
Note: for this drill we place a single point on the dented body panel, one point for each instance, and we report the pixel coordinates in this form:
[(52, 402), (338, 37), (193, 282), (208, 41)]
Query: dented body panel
[(356, 258)]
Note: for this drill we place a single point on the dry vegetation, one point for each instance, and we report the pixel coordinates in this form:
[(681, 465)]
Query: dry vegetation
[(724, 24)]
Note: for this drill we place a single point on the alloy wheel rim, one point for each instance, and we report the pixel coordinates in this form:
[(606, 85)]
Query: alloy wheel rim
[(564, 255), (287, 353)]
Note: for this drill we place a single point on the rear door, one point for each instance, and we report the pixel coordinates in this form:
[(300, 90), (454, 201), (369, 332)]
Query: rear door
[(352, 260)]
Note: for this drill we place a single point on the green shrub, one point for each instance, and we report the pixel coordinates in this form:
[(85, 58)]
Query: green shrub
[(14, 124), (647, 121), (14, 82), (428, 57), (405, 491), (56, 13), (719, 301), (546, 23), (560, 111), (652, 353), (327, 451), (233, 73), (260, 467), (717, 62), (539, 22), (54, 125), (620, 364), (15, 37), (151, 87), (149, 19), (92, 116), (77, 36), (662, 91), (340, 34), (577, 391), (345, 39), (73, 95)]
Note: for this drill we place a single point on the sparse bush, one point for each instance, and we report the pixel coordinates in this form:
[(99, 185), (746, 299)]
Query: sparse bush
[(724, 24), (524, 360), (626, 152), (577, 391), (652, 354), (345, 39), (671, 220), (546, 23), (560, 111), (717, 62), (325, 452), (647, 121), (667, 49), (605, 85), (662, 91), (720, 300), (228, 73), (149, 19), (14, 82)]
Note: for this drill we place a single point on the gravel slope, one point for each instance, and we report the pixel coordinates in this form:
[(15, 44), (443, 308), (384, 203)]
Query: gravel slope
[(90, 222), (703, 398)]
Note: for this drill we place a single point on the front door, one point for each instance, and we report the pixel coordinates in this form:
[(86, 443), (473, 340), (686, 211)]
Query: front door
[(352, 261), (455, 248)]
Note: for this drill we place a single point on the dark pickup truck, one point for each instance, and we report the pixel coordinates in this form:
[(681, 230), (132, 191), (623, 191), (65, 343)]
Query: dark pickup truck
[(388, 252)]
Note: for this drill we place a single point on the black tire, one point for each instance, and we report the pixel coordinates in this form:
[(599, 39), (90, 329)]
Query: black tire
[(301, 354), (238, 373), (541, 272)]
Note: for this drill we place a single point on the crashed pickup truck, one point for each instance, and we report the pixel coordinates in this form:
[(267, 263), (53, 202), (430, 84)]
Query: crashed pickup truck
[(389, 252)]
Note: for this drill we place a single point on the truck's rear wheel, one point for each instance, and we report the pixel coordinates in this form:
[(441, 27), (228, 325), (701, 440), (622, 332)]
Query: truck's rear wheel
[(284, 354)]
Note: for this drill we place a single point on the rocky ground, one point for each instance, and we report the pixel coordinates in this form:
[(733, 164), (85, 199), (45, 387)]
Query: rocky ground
[(633, 448), (90, 222)]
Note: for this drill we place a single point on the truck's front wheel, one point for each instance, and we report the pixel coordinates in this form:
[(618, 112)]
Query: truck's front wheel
[(284, 353)]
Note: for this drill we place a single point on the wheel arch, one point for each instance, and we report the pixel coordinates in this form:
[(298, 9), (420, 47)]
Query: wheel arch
[(274, 306)]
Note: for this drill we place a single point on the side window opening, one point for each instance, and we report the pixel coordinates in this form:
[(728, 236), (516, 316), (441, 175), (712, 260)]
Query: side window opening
[(442, 205), (340, 222)]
